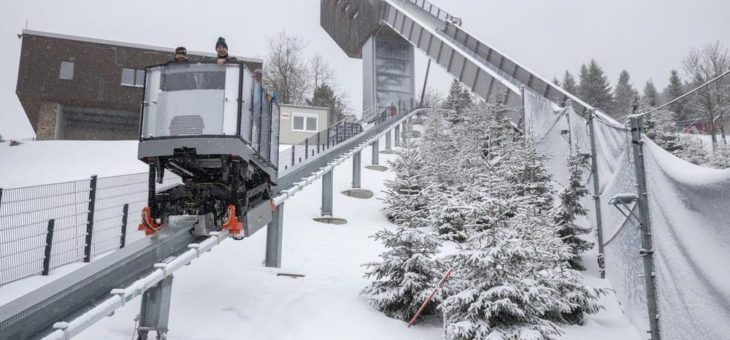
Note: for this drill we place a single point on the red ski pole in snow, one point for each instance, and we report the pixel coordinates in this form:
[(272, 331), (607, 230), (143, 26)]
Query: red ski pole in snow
[(428, 300)]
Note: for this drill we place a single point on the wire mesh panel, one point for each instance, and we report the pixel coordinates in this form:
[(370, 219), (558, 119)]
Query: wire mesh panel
[(112, 194), (24, 216), (625, 270)]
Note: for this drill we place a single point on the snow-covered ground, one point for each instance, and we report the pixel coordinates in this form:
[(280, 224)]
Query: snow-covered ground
[(705, 139), (44, 162), (229, 294)]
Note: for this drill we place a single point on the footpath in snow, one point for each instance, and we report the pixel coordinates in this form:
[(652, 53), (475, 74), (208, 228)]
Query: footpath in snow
[(229, 294)]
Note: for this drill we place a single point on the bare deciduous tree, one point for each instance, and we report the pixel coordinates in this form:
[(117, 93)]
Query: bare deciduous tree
[(321, 72), (713, 101), (285, 69)]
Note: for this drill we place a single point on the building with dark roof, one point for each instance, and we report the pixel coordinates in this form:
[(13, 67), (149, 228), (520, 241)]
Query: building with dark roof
[(82, 88)]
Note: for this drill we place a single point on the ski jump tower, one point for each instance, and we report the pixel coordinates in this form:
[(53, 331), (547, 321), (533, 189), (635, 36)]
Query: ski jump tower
[(387, 57), (385, 33)]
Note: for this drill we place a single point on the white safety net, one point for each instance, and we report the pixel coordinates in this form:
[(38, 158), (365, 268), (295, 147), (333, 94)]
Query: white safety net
[(689, 209), (560, 132)]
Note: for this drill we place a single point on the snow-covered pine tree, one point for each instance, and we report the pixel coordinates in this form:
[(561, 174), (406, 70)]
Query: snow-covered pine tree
[(405, 200), (570, 208), (451, 200), (512, 279), (529, 176), (409, 268), (624, 95), (569, 83), (407, 273), (674, 90), (459, 99), (594, 87), (437, 149), (504, 286), (651, 96)]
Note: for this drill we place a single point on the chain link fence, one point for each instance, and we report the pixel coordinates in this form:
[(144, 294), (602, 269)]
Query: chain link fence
[(653, 213)]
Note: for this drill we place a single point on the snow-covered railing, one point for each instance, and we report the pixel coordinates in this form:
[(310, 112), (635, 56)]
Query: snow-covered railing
[(119, 297)]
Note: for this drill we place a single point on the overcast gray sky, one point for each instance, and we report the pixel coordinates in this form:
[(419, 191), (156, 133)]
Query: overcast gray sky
[(647, 38)]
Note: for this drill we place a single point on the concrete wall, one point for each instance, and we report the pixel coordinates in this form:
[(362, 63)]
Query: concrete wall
[(288, 136), (350, 22)]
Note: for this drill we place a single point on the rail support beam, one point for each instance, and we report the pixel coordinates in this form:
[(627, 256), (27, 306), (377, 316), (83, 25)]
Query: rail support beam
[(376, 151), (397, 135), (155, 310), (387, 141), (327, 189), (274, 234), (356, 170)]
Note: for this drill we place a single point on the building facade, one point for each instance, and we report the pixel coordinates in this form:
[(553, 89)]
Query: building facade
[(83, 88), (301, 122)]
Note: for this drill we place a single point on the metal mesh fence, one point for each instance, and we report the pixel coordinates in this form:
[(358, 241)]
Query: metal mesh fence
[(113, 193), (687, 213), (27, 213)]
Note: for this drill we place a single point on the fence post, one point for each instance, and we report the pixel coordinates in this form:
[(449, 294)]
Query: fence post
[(306, 148), (49, 247), (597, 195), (327, 194), (123, 238), (293, 157), (647, 248), (319, 142), (274, 233), (328, 137), (375, 146), (337, 133), (90, 219), (387, 140)]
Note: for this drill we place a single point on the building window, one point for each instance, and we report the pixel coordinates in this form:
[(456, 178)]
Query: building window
[(302, 122), (132, 77), (67, 70)]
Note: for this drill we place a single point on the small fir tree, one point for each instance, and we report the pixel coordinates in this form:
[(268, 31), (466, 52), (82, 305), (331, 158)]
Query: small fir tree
[(405, 201), (570, 208), (651, 96), (624, 95), (530, 178), (674, 90), (407, 273), (459, 98), (594, 87), (409, 268), (569, 84)]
